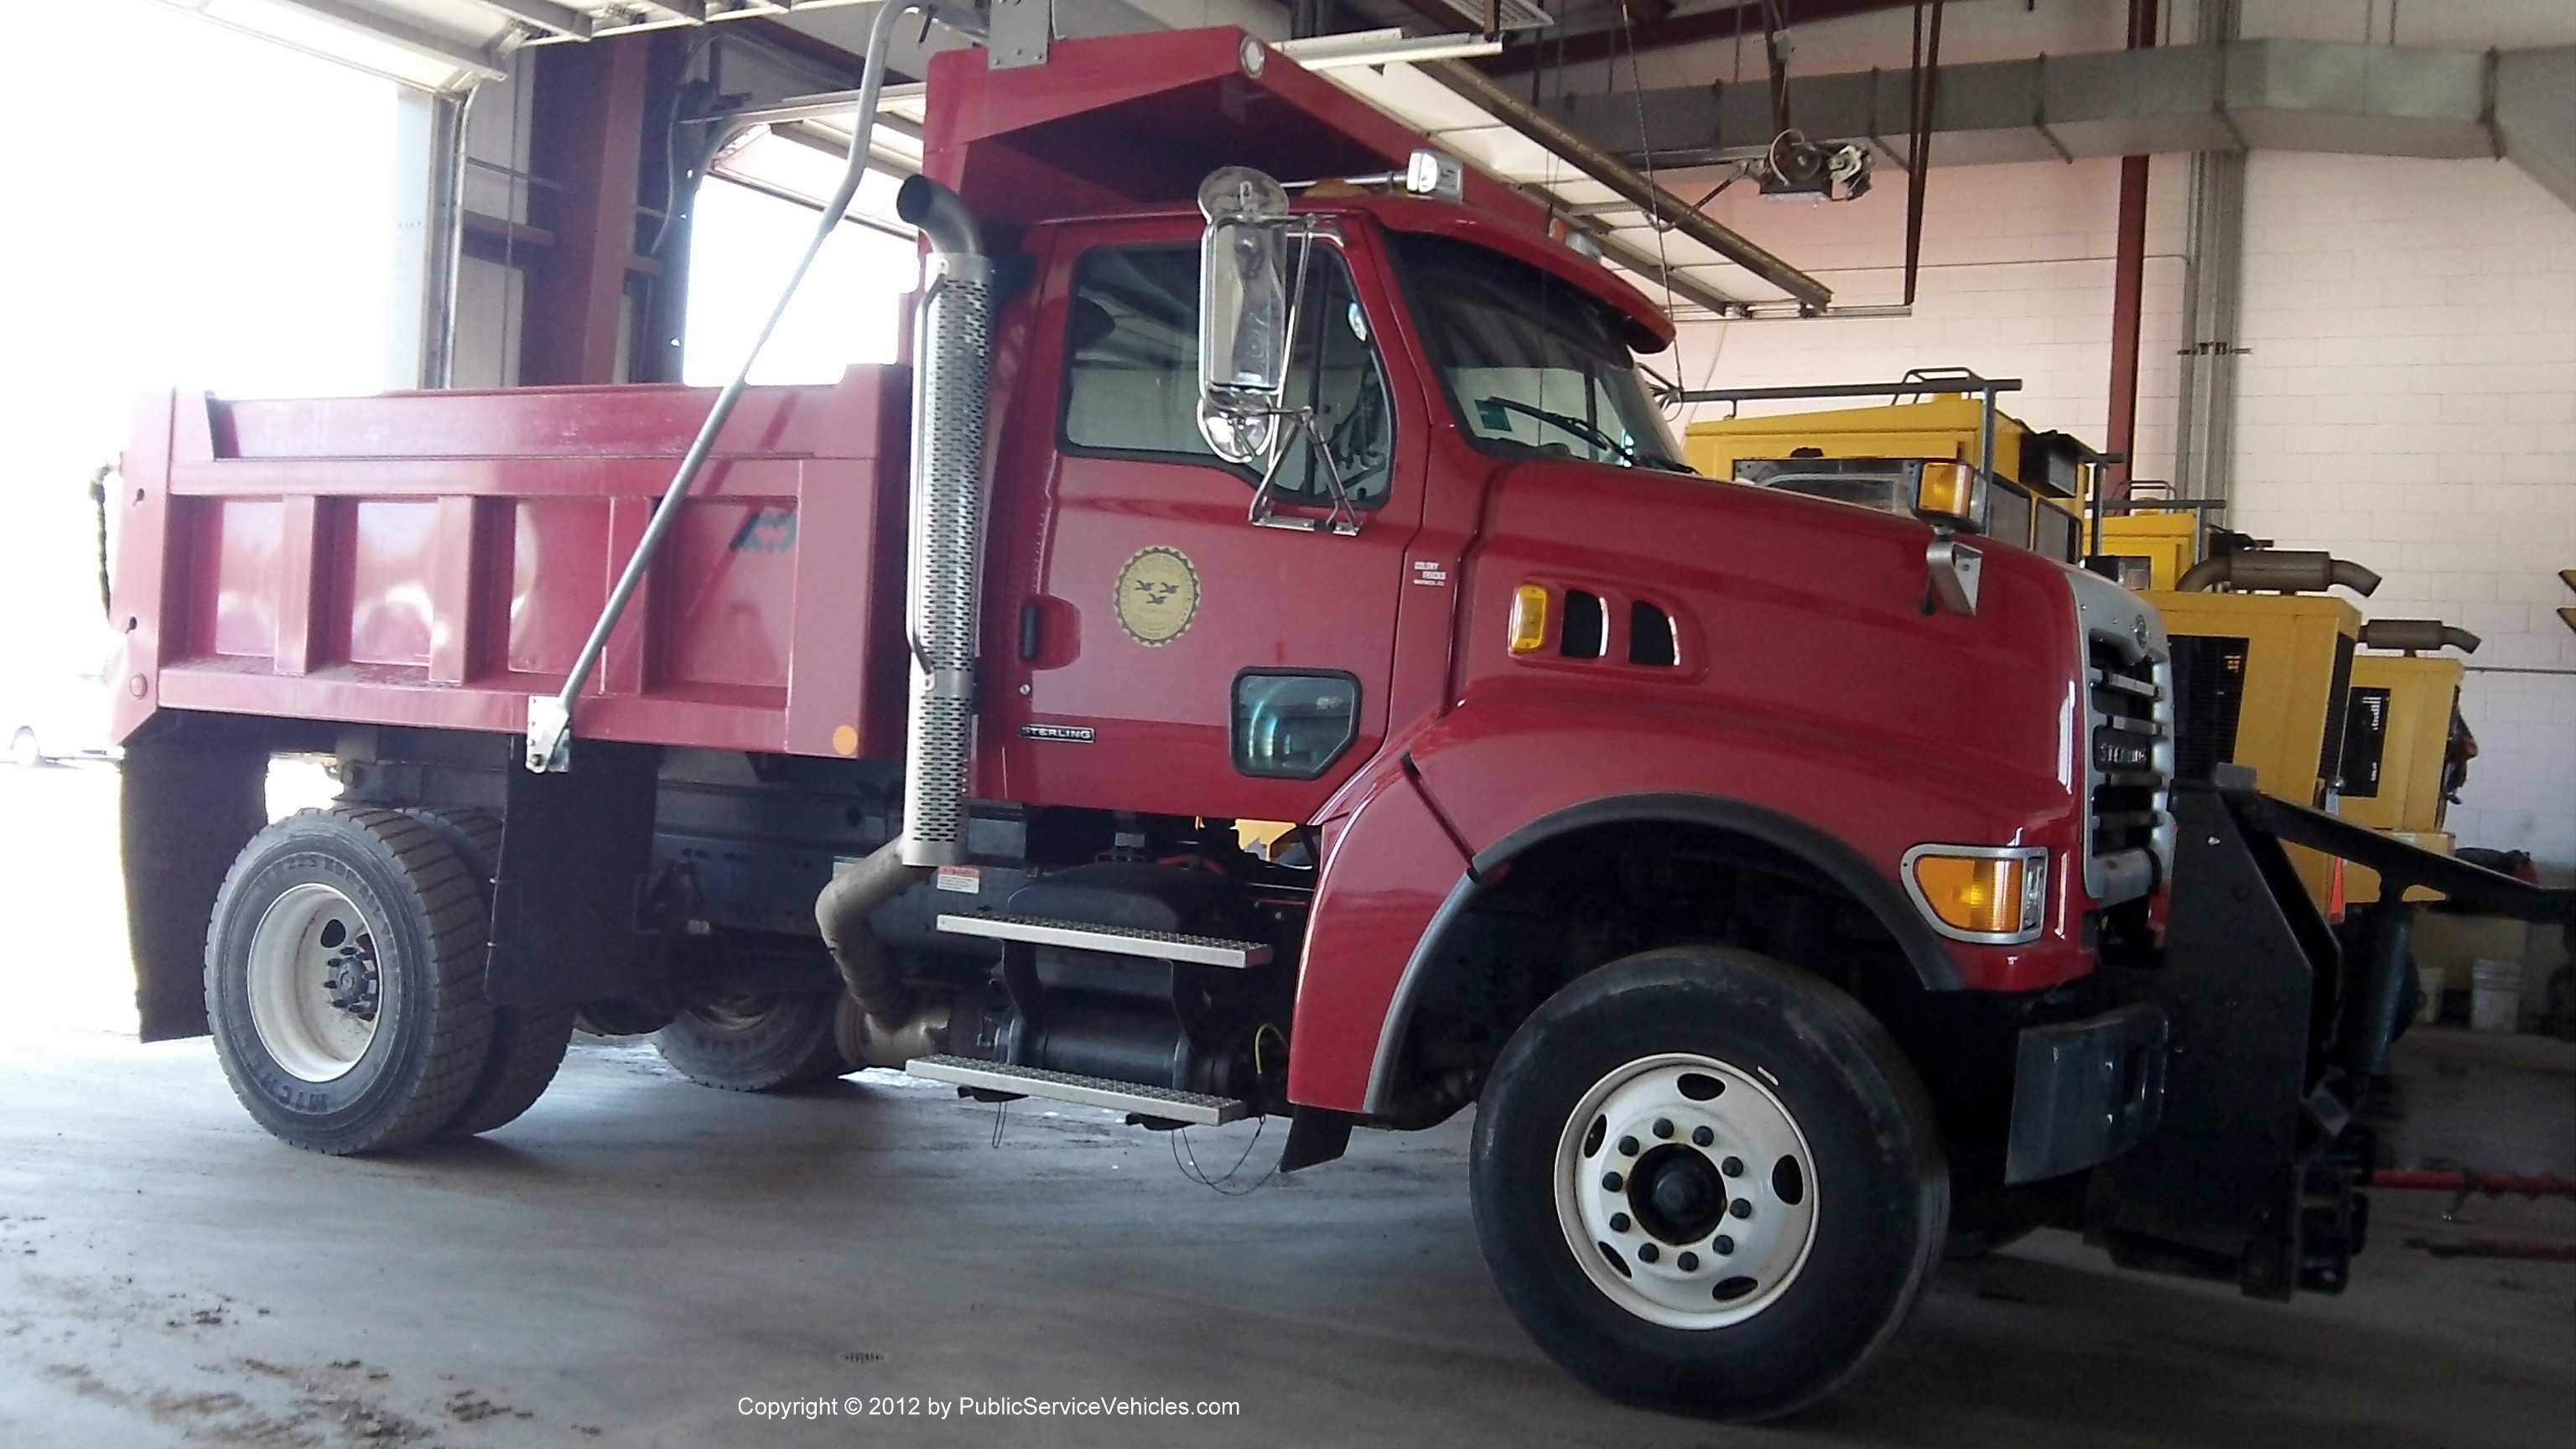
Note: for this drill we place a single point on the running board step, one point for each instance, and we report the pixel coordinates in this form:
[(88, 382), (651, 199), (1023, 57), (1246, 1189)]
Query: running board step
[(1118, 940), (1194, 1108)]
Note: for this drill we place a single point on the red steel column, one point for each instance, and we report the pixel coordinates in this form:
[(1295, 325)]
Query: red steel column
[(2128, 285), (587, 135)]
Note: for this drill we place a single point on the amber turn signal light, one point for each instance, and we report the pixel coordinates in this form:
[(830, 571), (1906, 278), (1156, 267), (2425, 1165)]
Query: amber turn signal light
[(1984, 894), (1529, 618), (1947, 490)]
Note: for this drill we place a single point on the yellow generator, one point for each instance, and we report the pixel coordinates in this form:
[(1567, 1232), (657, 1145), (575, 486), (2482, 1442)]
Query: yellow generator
[(2150, 549), (2263, 675), (2406, 750), (1903, 457)]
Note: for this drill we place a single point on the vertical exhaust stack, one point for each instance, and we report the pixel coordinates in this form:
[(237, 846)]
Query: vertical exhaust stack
[(951, 376), (945, 547)]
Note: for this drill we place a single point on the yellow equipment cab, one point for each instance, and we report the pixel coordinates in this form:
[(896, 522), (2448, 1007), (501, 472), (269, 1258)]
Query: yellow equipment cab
[(2406, 750)]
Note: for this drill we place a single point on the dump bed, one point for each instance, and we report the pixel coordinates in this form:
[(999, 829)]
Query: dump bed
[(435, 559)]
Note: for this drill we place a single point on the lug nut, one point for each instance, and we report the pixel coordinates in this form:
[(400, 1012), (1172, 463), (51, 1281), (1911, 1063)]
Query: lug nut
[(1742, 1207), (1648, 1252), (1612, 1182), (1721, 1245), (1627, 1147), (1687, 1262), (1732, 1167), (1618, 1222), (1663, 1126), (1701, 1137)]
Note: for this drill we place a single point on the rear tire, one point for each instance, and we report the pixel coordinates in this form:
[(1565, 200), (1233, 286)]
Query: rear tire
[(767, 1043), (1704, 1181), (527, 1044), (344, 968), (25, 750)]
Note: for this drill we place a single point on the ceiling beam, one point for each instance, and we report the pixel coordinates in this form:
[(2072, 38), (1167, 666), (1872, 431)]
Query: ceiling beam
[(1683, 285), (546, 15), (1538, 49), (461, 54), (1599, 165)]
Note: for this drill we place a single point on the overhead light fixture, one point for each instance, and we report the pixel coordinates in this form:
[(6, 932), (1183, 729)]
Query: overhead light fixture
[(1390, 46), (1515, 14)]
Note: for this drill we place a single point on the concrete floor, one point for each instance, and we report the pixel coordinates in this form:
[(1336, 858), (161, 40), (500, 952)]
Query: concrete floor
[(636, 1257)]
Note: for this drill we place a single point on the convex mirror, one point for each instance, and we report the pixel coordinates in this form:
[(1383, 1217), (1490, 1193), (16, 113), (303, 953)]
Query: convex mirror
[(1243, 311)]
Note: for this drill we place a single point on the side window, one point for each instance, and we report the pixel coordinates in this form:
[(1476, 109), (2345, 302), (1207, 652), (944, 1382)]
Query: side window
[(1131, 375), (1293, 724), (1132, 359), (1334, 372)]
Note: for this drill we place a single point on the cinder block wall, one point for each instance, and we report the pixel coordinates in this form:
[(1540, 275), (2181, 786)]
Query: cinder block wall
[(2410, 403), (2015, 282)]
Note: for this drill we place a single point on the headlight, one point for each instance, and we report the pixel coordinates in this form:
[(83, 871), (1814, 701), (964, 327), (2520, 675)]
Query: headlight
[(1987, 894)]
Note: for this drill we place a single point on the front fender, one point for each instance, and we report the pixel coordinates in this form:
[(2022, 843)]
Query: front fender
[(1459, 798)]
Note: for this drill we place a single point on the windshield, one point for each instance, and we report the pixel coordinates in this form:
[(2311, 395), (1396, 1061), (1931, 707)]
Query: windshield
[(1535, 367)]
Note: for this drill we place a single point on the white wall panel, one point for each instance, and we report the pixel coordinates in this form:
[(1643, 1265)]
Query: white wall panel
[(2410, 404)]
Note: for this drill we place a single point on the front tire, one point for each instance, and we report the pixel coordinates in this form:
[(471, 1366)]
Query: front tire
[(763, 1043), (344, 980), (1705, 1181)]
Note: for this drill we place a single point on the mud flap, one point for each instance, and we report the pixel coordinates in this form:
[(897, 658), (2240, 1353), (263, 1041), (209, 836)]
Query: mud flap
[(567, 897), (186, 805)]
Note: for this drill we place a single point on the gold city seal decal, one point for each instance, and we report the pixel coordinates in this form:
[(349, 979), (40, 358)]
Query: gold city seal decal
[(1157, 596)]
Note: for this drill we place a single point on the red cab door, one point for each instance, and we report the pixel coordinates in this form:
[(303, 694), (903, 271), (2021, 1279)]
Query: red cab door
[(1161, 651)]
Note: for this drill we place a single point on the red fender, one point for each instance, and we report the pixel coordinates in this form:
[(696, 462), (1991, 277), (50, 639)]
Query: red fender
[(1463, 795)]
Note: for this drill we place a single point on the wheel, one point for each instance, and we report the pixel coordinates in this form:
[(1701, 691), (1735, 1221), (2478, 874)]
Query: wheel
[(1704, 1181), (25, 750), (754, 1043), (344, 970), (527, 1044)]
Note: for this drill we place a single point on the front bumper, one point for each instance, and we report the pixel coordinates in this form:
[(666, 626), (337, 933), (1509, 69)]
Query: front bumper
[(2085, 1092)]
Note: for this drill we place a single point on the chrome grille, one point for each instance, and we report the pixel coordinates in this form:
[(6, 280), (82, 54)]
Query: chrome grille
[(2127, 741)]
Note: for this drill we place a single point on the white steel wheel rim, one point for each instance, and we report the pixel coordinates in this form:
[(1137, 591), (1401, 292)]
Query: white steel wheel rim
[(315, 983), (1635, 1168)]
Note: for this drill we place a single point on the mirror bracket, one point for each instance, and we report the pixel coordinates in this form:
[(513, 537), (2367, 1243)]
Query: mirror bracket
[(1955, 569), (1343, 521)]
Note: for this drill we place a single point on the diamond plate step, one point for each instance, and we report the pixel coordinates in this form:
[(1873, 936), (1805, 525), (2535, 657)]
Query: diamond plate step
[(1192, 1107), (1119, 940)]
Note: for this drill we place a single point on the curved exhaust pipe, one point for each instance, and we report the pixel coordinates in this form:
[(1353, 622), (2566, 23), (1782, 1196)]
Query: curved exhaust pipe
[(2417, 635), (942, 216), (2278, 571), (944, 550)]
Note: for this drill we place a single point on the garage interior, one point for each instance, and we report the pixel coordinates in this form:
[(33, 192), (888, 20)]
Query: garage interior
[(2298, 271)]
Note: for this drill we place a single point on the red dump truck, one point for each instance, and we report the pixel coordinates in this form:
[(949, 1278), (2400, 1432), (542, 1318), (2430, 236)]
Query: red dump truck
[(1793, 889)]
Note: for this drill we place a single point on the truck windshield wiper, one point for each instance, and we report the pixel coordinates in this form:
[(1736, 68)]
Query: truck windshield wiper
[(1577, 426)]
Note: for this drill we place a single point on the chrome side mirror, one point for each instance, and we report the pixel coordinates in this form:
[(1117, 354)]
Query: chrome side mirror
[(1243, 312)]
